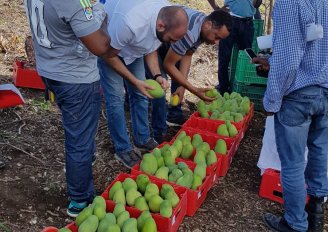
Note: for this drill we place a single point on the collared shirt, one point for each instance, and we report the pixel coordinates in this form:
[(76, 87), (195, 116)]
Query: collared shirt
[(241, 8), (132, 26), (295, 63), (192, 39)]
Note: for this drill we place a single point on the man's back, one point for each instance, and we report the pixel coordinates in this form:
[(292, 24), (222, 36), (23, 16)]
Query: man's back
[(56, 26), (132, 26)]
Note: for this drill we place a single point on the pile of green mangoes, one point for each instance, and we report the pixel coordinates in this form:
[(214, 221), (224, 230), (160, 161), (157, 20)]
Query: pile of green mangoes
[(232, 107), (94, 218), (144, 195), (227, 129)]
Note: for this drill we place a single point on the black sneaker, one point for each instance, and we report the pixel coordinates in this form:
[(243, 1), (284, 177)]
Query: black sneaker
[(149, 146), (315, 210), (94, 159), (129, 159), (176, 121), (276, 223)]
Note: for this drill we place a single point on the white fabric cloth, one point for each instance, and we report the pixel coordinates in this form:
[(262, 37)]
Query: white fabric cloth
[(132, 26), (269, 157)]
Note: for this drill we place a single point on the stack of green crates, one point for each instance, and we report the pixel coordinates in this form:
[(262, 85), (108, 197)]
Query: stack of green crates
[(242, 73)]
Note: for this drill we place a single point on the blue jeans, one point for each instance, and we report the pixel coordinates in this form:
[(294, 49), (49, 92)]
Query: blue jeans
[(158, 113), (113, 88), (174, 112), (80, 107), (302, 121), (241, 33)]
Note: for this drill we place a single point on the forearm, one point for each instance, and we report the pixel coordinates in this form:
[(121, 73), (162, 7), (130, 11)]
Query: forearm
[(152, 63)]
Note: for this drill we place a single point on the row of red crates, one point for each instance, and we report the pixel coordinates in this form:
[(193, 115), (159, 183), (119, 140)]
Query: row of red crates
[(190, 200)]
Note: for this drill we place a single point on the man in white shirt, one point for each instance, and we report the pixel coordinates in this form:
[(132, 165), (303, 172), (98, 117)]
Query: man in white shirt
[(137, 29)]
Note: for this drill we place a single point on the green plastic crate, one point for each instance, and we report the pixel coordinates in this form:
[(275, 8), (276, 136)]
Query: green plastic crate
[(233, 62), (254, 92), (258, 27), (246, 71)]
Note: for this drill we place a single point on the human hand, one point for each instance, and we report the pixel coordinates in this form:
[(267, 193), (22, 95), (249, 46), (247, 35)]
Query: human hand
[(263, 61), (180, 92), (163, 82), (143, 87), (200, 92)]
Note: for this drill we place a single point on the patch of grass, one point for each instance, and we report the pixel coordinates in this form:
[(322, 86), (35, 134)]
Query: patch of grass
[(42, 105), (4, 228)]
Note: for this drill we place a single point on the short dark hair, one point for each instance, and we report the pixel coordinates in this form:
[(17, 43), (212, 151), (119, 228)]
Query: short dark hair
[(220, 18), (171, 16)]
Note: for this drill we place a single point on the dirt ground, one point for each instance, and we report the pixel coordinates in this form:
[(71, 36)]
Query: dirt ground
[(33, 187)]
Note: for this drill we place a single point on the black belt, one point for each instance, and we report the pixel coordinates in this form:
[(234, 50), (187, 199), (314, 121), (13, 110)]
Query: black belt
[(246, 19)]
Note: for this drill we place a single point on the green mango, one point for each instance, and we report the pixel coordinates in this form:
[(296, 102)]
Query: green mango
[(160, 159), (99, 200), (152, 189), (162, 173), (141, 204), (118, 209), (173, 198), (64, 230), (203, 113), (85, 213), (197, 140), (168, 158), (99, 211), (238, 117), (125, 215), (182, 166), (187, 151), (142, 182), (119, 196), (141, 219), (113, 228), (200, 157), (223, 130), (197, 181), (166, 188), (131, 196), (154, 203), (186, 140), (205, 147), (157, 92), (175, 174), (164, 148), (117, 185), (181, 135), (156, 151), (221, 147), (110, 217), (128, 184), (105, 222), (130, 225), (148, 164), (211, 158), (178, 144), (186, 180), (90, 224), (149, 225), (200, 170), (165, 209), (226, 95), (232, 130)]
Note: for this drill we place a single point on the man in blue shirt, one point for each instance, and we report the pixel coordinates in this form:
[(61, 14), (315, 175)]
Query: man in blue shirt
[(242, 12), (297, 93)]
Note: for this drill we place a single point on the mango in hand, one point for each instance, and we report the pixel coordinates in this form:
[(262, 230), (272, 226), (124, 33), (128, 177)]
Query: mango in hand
[(157, 92)]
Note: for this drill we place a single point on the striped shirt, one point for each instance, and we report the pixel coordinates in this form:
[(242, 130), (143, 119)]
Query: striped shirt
[(191, 40), (295, 63)]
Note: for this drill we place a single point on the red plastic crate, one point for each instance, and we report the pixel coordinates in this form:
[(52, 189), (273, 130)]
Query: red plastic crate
[(239, 125), (26, 77), (271, 187), (50, 229), (9, 98), (163, 224), (211, 139), (194, 197), (209, 126)]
